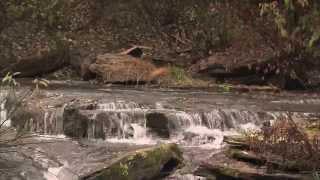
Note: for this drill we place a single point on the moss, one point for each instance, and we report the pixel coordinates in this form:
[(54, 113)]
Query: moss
[(142, 164)]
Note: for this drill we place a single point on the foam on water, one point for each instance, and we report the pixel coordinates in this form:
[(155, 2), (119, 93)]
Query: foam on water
[(209, 138), (60, 173), (139, 136), (52, 137), (121, 106), (249, 127), (201, 129), (126, 122), (185, 177)]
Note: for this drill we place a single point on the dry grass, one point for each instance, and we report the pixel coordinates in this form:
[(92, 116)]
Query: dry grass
[(285, 139)]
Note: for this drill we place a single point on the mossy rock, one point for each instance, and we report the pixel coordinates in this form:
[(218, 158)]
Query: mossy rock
[(146, 164)]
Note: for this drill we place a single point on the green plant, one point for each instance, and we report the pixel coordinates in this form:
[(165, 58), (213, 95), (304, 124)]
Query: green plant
[(225, 87), (9, 80), (296, 20), (179, 75), (124, 169)]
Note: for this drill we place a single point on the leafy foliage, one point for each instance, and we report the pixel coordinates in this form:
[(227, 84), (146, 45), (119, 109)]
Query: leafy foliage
[(297, 21)]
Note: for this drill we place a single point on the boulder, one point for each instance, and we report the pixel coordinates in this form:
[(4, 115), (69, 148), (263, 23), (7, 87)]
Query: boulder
[(75, 124), (122, 68), (150, 163), (159, 124), (81, 122)]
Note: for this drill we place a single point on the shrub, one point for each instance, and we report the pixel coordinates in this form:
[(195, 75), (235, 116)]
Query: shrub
[(285, 139)]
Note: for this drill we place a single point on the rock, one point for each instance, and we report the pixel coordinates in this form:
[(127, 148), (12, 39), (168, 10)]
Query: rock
[(62, 158), (150, 163), (159, 124), (95, 124), (75, 124), (118, 68)]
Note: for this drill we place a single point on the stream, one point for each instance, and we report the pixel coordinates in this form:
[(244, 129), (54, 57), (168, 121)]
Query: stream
[(84, 126)]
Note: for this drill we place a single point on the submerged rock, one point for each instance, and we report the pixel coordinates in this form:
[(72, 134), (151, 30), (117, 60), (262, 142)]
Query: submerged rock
[(143, 164)]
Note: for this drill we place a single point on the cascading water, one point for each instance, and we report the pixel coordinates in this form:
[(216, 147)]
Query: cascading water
[(4, 121), (142, 118), (129, 122)]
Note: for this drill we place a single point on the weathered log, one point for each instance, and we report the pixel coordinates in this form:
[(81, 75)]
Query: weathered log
[(220, 166)]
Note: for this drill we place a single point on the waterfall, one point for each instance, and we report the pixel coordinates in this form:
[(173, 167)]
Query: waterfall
[(131, 122), (4, 121)]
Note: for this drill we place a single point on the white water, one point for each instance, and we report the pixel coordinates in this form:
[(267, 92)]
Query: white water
[(121, 106), (52, 137), (139, 136), (4, 120), (206, 129), (186, 177), (60, 173)]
